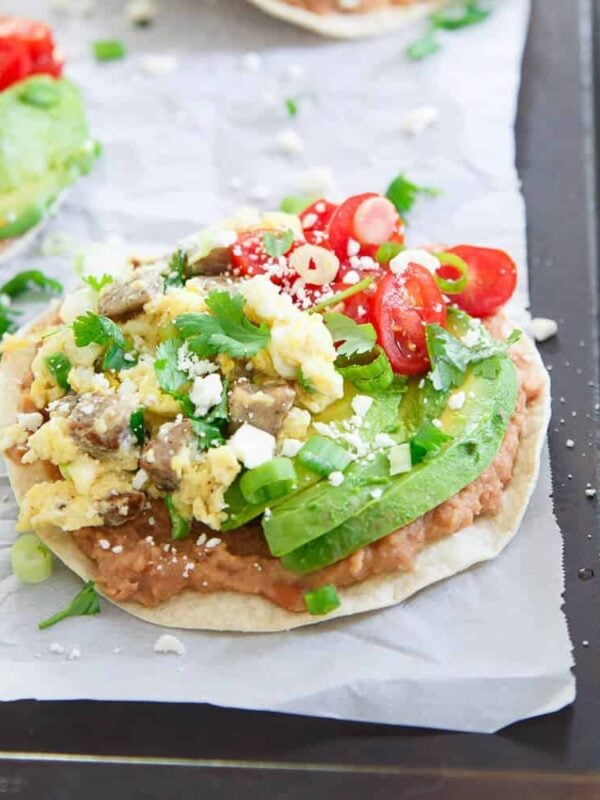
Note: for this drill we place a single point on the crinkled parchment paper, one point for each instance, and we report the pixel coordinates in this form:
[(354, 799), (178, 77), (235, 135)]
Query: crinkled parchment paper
[(185, 147)]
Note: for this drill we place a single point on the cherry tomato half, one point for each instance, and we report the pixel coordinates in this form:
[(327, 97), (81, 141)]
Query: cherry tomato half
[(492, 279), (249, 256), (15, 62), (36, 36), (316, 217), (367, 219), (402, 306)]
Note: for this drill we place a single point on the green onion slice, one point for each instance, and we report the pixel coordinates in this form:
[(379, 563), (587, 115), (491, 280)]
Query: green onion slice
[(271, 480), (137, 425), (31, 559), (322, 601), (323, 456), (400, 459), (369, 372), (59, 366), (341, 296), (387, 251), (453, 285), (296, 203), (108, 50), (180, 526)]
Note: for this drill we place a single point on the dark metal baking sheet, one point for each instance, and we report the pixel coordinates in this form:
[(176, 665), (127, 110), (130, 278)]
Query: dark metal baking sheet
[(221, 751)]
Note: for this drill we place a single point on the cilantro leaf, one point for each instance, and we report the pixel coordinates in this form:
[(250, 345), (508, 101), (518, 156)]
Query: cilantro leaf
[(209, 435), (355, 338), (450, 358), (428, 441), (7, 322), (93, 328), (226, 330), (291, 106), (30, 279), (460, 14), (426, 46), (84, 603), (59, 367), (304, 383), (170, 378), (277, 245), (97, 284), (116, 359), (403, 193), (177, 269)]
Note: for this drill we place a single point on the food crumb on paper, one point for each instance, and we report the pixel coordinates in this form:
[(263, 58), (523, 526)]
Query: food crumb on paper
[(543, 328), (167, 643), (419, 119), (57, 648), (74, 654)]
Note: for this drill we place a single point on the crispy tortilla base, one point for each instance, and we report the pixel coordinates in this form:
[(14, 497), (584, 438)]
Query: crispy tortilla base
[(231, 611), (350, 26)]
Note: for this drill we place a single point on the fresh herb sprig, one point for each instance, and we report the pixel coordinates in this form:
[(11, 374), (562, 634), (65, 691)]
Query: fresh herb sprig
[(351, 338), (404, 193), (85, 603), (278, 244), (456, 16), (91, 328)]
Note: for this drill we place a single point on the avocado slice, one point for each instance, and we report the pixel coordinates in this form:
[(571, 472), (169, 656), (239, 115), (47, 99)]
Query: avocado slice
[(44, 147), (477, 430), (381, 417)]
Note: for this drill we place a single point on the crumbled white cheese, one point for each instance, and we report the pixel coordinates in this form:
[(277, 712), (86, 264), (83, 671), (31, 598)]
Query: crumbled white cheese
[(351, 277), (201, 540), (419, 119), (353, 247), (361, 403), (570, 443), (117, 549), (167, 643), (289, 142), (456, 401), (55, 647), (252, 446), (336, 478), (193, 366), (30, 421), (384, 440), (159, 63), (139, 479), (471, 337), (104, 544), (290, 447), (309, 221), (212, 543), (376, 494), (406, 257), (225, 238), (206, 393), (543, 328), (589, 492), (74, 654), (140, 12)]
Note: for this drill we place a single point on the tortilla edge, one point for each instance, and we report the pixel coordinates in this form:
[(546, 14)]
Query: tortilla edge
[(349, 26), (222, 611)]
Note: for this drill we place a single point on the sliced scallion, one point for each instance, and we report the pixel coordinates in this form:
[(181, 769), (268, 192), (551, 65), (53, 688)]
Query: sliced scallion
[(399, 458), (322, 601), (271, 480), (30, 558), (341, 296), (387, 251), (108, 50), (369, 372), (323, 456), (180, 526), (453, 285)]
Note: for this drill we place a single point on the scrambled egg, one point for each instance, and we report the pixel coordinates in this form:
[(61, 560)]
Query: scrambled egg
[(299, 343)]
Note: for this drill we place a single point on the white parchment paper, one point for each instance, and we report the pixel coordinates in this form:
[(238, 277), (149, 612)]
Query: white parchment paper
[(188, 146)]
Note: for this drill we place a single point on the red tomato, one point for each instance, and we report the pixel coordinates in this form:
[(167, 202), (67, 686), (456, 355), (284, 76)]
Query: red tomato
[(316, 217), (36, 36), (402, 306), (15, 62), (359, 306), (368, 219), (50, 64), (492, 279), (249, 257)]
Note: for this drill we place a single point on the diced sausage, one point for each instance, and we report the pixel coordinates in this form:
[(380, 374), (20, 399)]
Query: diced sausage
[(120, 508), (99, 423), (265, 406), (157, 455), (120, 300), (217, 262)]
